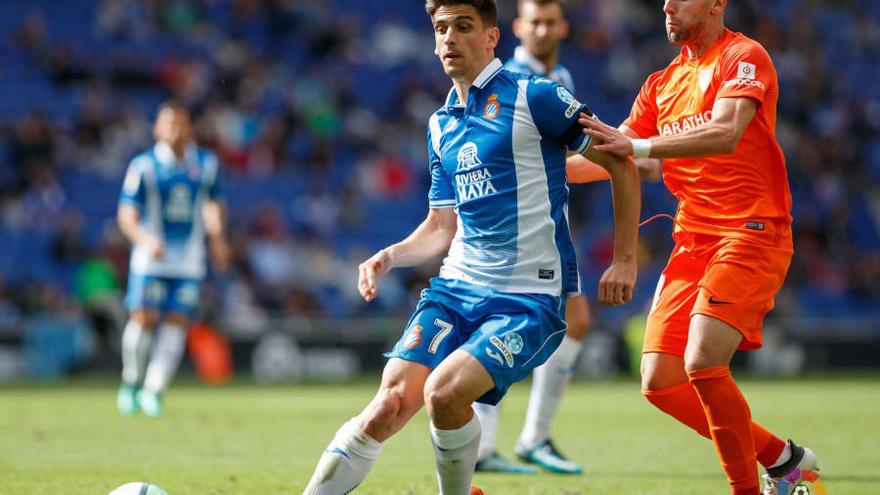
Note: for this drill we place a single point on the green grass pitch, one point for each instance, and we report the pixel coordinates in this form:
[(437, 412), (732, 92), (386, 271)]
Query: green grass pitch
[(253, 440)]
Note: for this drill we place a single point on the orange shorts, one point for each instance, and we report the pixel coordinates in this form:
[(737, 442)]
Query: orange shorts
[(731, 279)]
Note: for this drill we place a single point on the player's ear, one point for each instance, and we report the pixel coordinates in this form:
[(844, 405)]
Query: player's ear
[(718, 7), (516, 25), (566, 28), (493, 34)]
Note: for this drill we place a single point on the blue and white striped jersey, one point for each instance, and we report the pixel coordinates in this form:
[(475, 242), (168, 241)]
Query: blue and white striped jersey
[(170, 194), (524, 62), (499, 159)]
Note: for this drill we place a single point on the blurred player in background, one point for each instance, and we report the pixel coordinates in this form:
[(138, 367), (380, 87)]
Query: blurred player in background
[(170, 204), (540, 27), (497, 199), (711, 117)]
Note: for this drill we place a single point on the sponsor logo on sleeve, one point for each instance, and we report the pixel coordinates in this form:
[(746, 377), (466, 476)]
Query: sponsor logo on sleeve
[(745, 71), (572, 109), (564, 95), (745, 76), (744, 82)]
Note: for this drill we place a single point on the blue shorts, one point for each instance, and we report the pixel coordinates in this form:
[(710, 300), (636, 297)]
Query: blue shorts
[(509, 334), (163, 294)]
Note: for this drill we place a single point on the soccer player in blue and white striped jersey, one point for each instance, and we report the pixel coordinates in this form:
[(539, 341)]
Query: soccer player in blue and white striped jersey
[(496, 152), (169, 205), (541, 27)]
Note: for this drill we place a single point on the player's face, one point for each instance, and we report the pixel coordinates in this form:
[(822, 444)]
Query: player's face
[(540, 28), (173, 126), (685, 19), (462, 42)]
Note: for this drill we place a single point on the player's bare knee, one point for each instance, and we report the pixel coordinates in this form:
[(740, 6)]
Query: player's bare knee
[(659, 373), (440, 399), (383, 418), (697, 357)]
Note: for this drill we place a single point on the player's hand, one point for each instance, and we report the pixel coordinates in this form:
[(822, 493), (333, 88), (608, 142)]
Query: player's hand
[(616, 285), (611, 140), (379, 264), (221, 253), (154, 245)]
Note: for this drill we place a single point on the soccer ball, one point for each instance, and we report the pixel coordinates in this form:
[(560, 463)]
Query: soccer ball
[(800, 490), (138, 488), (803, 488)]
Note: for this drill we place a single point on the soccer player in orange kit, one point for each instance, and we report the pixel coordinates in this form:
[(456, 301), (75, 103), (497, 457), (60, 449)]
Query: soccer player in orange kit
[(711, 117)]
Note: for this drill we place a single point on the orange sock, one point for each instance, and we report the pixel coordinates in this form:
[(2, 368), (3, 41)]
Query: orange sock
[(729, 417), (681, 402)]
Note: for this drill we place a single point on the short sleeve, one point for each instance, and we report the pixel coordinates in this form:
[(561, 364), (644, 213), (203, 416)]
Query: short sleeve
[(746, 71), (133, 189), (555, 112), (643, 116), (214, 181), (441, 194)]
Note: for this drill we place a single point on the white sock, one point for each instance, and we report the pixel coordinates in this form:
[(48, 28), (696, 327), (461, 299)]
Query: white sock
[(456, 456), (170, 344), (345, 463), (548, 382), (135, 349), (488, 418)]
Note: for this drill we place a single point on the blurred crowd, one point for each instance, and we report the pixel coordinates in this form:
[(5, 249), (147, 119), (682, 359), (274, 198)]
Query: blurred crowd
[(318, 111)]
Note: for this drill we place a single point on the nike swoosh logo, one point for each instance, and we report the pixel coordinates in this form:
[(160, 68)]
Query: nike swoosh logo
[(712, 300)]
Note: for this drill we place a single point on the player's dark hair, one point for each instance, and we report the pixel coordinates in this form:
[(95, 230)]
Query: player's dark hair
[(487, 9)]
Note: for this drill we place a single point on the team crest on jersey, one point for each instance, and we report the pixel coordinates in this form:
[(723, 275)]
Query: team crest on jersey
[(413, 337), (468, 157), (492, 108)]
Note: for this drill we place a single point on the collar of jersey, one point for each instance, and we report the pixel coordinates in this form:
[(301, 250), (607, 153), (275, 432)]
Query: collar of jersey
[(166, 157), (522, 56), (483, 78), (711, 50)]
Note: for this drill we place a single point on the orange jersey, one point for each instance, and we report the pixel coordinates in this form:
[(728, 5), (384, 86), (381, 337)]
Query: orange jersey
[(737, 194)]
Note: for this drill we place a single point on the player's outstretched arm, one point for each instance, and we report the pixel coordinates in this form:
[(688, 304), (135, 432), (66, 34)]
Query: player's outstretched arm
[(721, 135), (616, 285), (214, 215), (129, 219), (429, 240), (580, 170)]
